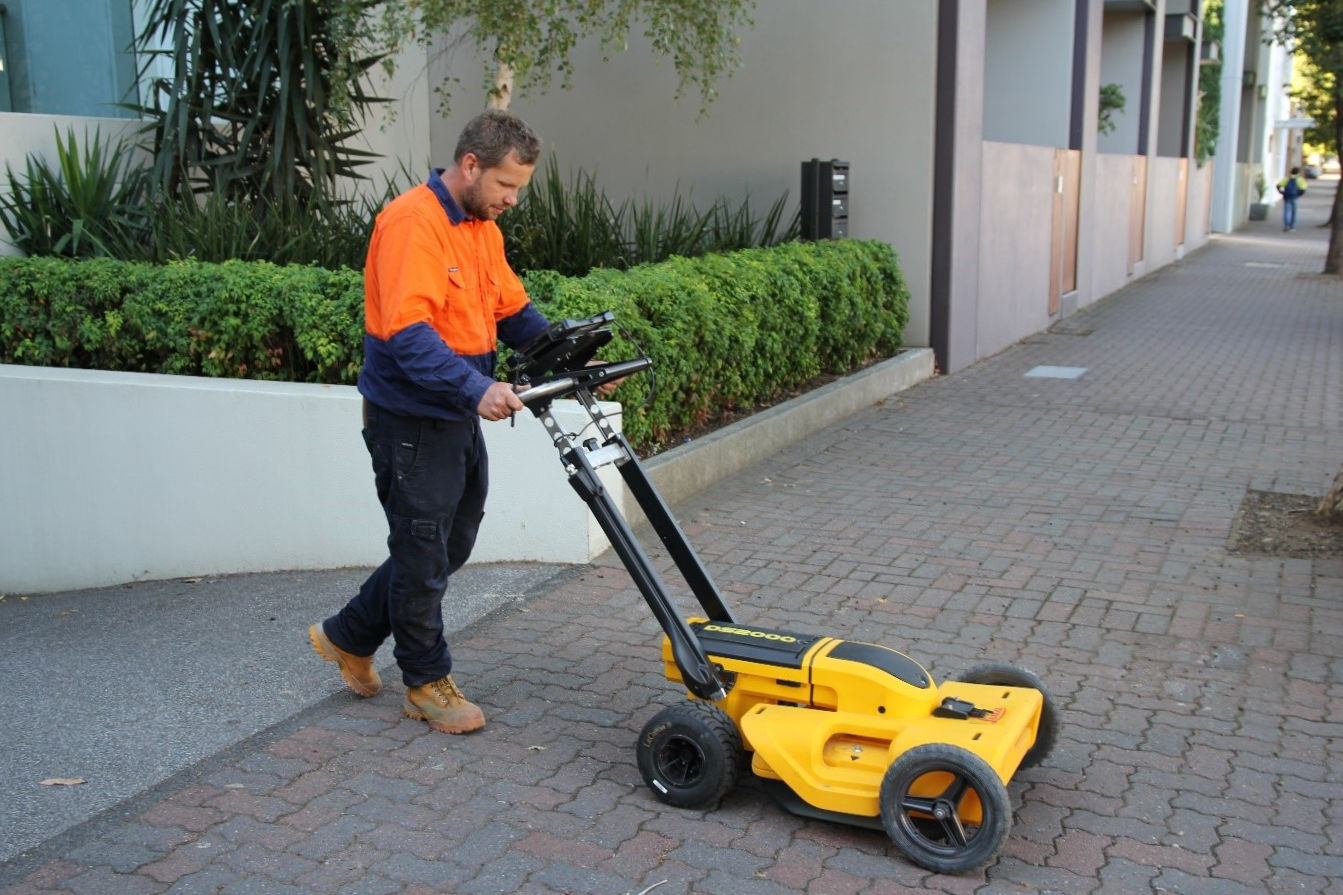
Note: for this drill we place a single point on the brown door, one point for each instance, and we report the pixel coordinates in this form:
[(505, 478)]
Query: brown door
[(1137, 211), (1181, 201), (1066, 214)]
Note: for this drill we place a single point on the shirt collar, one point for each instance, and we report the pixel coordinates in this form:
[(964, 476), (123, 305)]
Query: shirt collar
[(440, 189)]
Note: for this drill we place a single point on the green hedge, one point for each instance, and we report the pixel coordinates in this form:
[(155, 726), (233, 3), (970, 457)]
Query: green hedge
[(726, 332), (238, 319), (733, 331)]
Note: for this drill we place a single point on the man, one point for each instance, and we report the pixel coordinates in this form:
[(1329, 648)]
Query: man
[(1291, 188), (438, 292)]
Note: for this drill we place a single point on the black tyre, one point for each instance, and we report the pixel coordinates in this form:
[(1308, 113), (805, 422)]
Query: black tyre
[(1004, 674), (945, 808), (690, 754)]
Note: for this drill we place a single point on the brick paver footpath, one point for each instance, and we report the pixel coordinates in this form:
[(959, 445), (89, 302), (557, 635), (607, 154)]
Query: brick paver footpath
[(1078, 527)]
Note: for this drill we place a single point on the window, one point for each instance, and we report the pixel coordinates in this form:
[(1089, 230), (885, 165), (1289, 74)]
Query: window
[(68, 57)]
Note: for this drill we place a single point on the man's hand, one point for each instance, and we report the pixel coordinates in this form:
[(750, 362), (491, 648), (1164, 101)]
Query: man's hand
[(605, 389), (499, 402)]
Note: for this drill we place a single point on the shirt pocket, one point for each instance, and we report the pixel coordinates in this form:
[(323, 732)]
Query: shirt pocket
[(466, 325), (456, 285)]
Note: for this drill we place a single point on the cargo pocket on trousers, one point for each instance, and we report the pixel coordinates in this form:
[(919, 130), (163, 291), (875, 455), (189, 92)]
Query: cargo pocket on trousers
[(424, 529)]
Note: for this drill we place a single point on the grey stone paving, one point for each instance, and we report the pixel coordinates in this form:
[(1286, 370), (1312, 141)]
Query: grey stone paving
[(122, 687), (1075, 526)]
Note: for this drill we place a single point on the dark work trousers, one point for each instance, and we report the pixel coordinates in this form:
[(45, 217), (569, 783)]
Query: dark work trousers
[(431, 477)]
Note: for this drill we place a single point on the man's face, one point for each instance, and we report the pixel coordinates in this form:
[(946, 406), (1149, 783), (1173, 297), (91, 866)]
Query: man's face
[(490, 192)]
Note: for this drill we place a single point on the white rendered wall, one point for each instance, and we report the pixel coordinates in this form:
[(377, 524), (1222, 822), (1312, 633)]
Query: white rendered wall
[(112, 477)]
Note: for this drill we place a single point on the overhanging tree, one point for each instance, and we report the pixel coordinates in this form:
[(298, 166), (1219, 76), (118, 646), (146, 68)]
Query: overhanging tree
[(528, 42), (1314, 30)]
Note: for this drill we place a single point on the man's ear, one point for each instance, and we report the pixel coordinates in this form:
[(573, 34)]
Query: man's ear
[(471, 167)]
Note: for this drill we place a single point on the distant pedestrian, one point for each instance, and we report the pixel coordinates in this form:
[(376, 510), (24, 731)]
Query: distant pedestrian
[(1291, 188)]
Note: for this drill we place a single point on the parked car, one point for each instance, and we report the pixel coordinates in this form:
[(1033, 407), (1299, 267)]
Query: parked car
[(1311, 171)]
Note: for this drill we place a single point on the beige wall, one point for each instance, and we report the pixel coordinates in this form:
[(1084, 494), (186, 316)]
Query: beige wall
[(1112, 185), (1015, 243), (1198, 219), (1163, 178)]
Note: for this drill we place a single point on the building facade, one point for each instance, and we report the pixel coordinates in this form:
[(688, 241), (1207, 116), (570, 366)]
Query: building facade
[(973, 129)]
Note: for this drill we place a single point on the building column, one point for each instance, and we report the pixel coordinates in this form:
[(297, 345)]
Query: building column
[(958, 175), (1235, 16)]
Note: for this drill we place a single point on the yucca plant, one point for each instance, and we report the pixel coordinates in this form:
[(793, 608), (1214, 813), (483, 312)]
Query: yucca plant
[(261, 103), (573, 227), (215, 229), (91, 203), (730, 228), (658, 231), (570, 228)]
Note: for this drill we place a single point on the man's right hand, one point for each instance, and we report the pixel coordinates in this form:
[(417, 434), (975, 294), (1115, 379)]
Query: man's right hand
[(499, 402)]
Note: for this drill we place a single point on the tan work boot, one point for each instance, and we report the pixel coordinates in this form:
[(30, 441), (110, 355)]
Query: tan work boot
[(358, 671), (442, 704)]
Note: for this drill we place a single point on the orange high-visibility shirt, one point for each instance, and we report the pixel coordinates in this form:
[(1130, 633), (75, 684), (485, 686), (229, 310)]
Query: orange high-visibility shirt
[(438, 294)]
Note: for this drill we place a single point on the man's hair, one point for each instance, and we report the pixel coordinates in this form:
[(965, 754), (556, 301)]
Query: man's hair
[(493, 134), (1296, 170)]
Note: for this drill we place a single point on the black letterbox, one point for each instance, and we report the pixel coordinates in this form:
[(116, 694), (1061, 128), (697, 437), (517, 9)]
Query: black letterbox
[(825, 199)]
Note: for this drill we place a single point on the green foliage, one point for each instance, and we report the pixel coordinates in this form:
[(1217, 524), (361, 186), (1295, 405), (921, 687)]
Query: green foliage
[(535, 39), (262, 102), (1314, 29), (1111, 101), (90, 203), (238, 319), (217, 229), (572, 227), (1318, 93), (1208, 122), (96, 202), (728, 332)]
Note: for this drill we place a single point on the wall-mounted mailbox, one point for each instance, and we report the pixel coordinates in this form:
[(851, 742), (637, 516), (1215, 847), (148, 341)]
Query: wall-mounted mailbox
[(825, 199)]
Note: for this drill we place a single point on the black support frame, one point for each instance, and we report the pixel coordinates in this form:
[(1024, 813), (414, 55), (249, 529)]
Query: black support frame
[(699, 673)]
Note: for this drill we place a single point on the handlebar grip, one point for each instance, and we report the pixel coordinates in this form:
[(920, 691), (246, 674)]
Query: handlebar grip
[(621, 369), (549, 389), (589, 377)]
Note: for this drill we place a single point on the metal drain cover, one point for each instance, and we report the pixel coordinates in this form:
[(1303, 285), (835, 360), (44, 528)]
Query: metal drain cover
[(1048, 372)]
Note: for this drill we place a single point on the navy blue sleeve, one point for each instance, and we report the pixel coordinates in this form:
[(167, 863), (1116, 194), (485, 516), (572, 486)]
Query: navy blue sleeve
[(426, 360), (520, 328)]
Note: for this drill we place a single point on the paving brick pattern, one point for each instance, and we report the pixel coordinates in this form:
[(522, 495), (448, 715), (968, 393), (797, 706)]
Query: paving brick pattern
[(1076, 527)]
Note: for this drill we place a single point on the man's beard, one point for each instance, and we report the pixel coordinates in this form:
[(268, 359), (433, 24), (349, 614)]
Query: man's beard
[(474, 207)]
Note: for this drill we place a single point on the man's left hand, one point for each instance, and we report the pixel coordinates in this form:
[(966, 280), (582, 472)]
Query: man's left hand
[(606, 388)]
